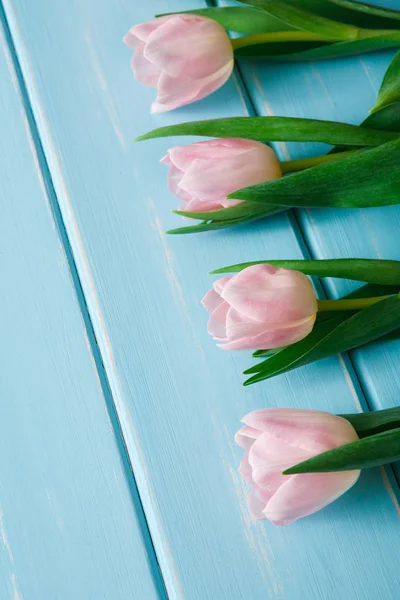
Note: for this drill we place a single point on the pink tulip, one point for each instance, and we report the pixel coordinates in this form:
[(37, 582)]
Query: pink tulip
[(204, 173), (260, 308), (186, 57), (278, 438)]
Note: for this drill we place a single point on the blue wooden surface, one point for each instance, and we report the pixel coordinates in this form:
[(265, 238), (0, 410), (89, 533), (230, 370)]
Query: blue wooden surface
[(71, 524), (178, 399)]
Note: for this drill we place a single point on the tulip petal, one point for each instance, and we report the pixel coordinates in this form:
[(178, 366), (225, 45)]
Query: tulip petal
[(174, 179), (216, 323), (268, 482), (245, 437), (274, 336), (143, 31), (228, 202), (174, 92), (257, 502), (189, 45), (144, 71), (273, 454), (239, 326), (219, 284), (229, 174), (223, 148), (196, 205), (305, 494), (245, 469), (211, 300), (271, 295), (315, 430)]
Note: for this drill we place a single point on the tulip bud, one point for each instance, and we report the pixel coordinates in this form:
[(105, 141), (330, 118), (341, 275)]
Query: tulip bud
[(261, 307), (203, 174), (186, 57), (276, 439)]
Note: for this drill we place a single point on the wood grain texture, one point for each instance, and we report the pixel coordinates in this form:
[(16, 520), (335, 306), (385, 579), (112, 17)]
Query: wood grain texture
[(179, 398), (71, 524)]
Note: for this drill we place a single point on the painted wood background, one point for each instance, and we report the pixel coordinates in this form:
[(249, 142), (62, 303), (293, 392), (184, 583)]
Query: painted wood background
[(118, 474)]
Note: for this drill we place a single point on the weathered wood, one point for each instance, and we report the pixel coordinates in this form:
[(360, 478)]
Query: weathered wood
[(71, 524), (179, 399)]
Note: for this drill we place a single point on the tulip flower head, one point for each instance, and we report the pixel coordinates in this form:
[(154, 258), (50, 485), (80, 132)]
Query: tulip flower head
[(277, 439), (261, 307), (184, 56), (203, 174)]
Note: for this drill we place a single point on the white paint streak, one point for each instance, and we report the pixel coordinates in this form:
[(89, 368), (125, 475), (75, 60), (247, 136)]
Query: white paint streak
[(36, 163), (240, 92), (169, 259), (284, 150), (9, 62), (268, 109), (16, 592), (389, 489), (171, 274), (13, 578), (4, 538), (318, 77), (255, 534), (257, 82), (371, 235), (314, 227), (16, 86), (120, 136), (179, 588), (350, 383), (102, 81), (368, 74)]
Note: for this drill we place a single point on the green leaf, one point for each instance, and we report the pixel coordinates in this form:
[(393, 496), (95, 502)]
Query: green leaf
[(213, 225), (370, 423), (271, 50), (389, 337), (364, 179), (385, 119), (382, 272), (251, 20), (371, 451), (369, 9), (334, 336), (318, 51), (304, 20), (265, 353), (354, 13), (389, 92), (246, 209), (276, 129), (295, 355), (239, 18), (225, 218)]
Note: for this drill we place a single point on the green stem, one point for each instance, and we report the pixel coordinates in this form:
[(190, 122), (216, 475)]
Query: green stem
[(351, 304), (280, 36), (391, 35), (290, 166)]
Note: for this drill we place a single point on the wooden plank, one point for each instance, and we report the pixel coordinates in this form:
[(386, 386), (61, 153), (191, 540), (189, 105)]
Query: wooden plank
[(179, 398), (71, 523), (339, 90)]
